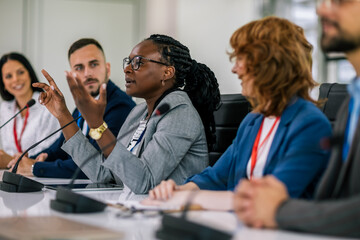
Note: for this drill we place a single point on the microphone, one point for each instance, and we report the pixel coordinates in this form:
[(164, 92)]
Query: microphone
[(12, 182), (181, 228), (29, 104), (68, 201), (162, 109), (331, 142)]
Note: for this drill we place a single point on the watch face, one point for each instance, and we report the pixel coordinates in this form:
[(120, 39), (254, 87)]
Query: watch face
[(95, 134)]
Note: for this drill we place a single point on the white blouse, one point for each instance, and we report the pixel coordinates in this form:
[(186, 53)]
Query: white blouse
[(40, 124), (263, 151)]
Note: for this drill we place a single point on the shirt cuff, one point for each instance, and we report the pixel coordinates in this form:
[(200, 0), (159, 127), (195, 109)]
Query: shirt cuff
[(37, 170)]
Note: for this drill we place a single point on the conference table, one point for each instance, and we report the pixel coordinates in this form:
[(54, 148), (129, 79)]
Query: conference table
[(29, 216)]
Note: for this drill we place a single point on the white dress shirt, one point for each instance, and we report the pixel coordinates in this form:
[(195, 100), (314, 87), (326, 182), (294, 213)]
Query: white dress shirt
[(40, 124)]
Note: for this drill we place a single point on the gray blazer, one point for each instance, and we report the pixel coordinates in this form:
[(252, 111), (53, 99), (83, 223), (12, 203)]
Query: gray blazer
[(336, 209), (173, 147)]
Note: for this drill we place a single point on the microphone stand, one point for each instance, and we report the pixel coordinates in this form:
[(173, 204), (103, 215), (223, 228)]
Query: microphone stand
[(29, 104), (68, 201), (13, 182)]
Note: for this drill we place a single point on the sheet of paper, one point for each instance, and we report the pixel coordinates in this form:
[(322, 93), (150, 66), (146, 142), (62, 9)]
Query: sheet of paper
[(137, 205)]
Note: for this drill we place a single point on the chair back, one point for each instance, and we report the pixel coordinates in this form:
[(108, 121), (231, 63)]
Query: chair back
[(228, 117), (335, 94)]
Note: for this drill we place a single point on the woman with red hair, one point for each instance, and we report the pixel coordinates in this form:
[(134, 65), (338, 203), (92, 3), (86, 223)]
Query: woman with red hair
[(281, 135)]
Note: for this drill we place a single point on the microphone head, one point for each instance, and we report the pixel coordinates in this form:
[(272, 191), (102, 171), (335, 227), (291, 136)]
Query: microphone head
[(325, 144), (330, 142), (162, 109), (30, 103)]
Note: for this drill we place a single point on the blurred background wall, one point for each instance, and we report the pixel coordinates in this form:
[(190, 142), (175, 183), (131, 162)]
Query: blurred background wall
[(44, 29)]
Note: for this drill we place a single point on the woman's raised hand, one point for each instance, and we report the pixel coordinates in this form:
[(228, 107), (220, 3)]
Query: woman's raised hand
[(91, 109), (52, 98)]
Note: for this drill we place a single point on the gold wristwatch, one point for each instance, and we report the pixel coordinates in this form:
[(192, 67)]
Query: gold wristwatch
[(96, 133)]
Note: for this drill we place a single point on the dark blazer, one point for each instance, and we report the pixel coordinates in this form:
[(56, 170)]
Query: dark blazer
[(336, 209), (59, 164)]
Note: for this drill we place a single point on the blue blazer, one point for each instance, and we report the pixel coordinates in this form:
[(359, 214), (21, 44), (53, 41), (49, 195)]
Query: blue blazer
[(59, 164), (295, 155)]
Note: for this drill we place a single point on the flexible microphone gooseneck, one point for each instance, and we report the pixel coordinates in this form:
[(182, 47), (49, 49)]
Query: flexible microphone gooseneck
[(29, 104), (12, 182), (68, 201), (178, 228)]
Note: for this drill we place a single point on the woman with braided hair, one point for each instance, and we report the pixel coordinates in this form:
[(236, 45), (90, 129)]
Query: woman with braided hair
[(166, 137), (196, 79)]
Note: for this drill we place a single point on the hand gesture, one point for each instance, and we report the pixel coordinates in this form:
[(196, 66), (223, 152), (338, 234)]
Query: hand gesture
[(25, 164), (164, 190), (41, 157), (51, 98), (256, 201), (91, 109), (13, 160), (4, 159), (178, 201)]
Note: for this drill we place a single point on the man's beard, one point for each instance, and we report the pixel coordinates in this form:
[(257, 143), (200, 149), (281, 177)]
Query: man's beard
[(343, 42), (338, 44), (95, 93)]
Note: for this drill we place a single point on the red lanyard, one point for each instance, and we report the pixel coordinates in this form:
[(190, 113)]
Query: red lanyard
[(256, 144), (18, 141)]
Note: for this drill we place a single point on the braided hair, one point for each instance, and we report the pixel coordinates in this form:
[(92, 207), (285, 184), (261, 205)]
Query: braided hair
[(196, 79)]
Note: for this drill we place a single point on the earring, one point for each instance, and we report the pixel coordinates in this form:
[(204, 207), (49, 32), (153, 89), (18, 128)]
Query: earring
[(163, 83)]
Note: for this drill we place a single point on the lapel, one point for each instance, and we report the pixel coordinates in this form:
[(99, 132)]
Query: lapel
[(80, 121), (147, 135), (286, 118), (110, 88), (349, 160), (247, 143), (151, 125), (329, 183), (132, 123)]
